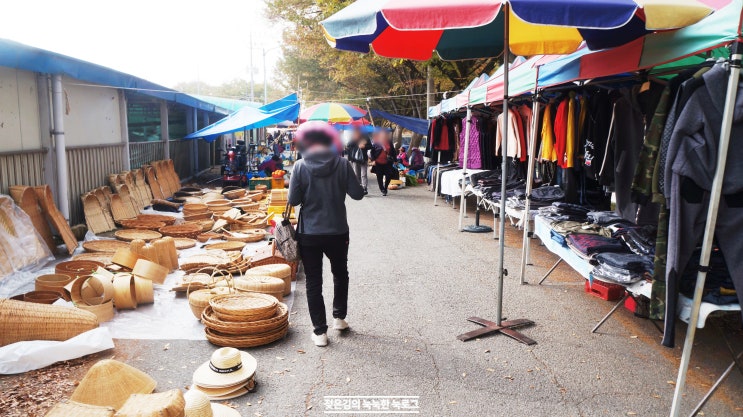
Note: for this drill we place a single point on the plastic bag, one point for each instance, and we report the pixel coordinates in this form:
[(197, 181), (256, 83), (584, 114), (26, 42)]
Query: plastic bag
[(22, 248)]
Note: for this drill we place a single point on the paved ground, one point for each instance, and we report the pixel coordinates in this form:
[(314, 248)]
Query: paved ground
[(414, 279)]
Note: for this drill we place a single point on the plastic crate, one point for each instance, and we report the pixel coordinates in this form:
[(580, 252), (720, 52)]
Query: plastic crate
[(604, 290), (260, 181), (277, 183)]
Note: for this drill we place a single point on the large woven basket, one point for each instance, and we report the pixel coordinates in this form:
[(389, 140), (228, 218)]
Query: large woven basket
[(141, 224), (244, 307), (168, 220), (282, 271), (190, 217), (53, 282), (21, 321), (74, 409), (128, 235), (270, 255), (77, 268), (199, 299), (235, 194), (279, 319), (195, 208), (104, 245), (190, 231), (261, 284), (226, 246), (245, 341)]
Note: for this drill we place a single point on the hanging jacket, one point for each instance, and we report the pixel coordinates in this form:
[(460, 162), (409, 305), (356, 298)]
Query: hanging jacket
[(548, 136)]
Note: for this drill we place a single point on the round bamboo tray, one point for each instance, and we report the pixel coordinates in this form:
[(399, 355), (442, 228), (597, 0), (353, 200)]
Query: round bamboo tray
[(204, 237), (246, 236), (217, 203), (125, 257), (205, 225), (150, 270), (253, 340), (281, 271), (128, 235), (21, 321), (106, 245), (184, 243), (168, 220), (143, 291), (77, 268), (235, 194), (187, 216), (244, 307), (211, 321), (194, 281), (199, 299), (140, 224), (53, 282), (261, 284), (124, 292), (39, 297), (103, 258), (195, 208), (226, 246), (190, 231)]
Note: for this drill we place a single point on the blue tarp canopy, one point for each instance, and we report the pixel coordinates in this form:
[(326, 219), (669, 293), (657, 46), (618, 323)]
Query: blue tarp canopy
[(247, 118), (419, 126)]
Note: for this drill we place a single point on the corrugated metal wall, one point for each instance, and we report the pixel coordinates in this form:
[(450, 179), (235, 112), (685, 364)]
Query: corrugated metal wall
[(21, 168), (181, 152), (89, 167), (205, 155), (142, 153)]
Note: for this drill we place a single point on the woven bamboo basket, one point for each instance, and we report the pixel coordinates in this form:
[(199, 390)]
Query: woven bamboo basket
[(281, 271), (39, 297), (270, 255), (261, 284), (94, 216), (21, 321), (154, 184), (119, 210), (205, 225), (103, 258), (168, 220), (77, 268), (105, 202), (226, 246), (128, 235), (124, 292), (235, 194), (80, 410), (184, 243), (204, 237), (197, 216), (194, 281), (143, 291), (160, 404), (211, 204), (141, 224), (213, 259), (246, 236), (190, 231), (128, 200), (53, 282), (104, 245), (245, 341), (26, 199), (279, 319), (244, 307), (199, 299)]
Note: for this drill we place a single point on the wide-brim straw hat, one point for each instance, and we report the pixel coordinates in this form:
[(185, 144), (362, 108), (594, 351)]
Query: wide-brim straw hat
[(110, 383), (75, 409), (168, 403), (227, 367), (198, 405)]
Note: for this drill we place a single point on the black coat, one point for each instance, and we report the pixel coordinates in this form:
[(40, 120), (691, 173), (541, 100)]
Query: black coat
[(353, 146)]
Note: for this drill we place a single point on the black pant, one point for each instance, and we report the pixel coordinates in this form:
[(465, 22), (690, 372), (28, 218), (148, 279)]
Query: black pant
[(335, 247), (385, 174)]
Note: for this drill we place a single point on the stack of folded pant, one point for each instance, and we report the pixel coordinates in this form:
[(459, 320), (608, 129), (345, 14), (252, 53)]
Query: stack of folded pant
[(639, 240), (604, 217), (623, 268), (589, 245), (565, 211)]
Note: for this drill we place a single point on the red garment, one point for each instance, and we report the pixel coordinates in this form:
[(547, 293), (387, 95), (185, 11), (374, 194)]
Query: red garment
[(561, 131), (443, 144)]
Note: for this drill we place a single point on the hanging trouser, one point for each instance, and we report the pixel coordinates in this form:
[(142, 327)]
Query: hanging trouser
[(688, 216)]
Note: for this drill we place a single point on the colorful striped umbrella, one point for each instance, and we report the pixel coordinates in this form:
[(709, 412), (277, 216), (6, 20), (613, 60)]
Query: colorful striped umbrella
[(467, 29), (332, 112)]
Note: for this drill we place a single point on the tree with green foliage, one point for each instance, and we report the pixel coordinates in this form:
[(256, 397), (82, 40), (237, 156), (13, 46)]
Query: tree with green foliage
[(325, 74)]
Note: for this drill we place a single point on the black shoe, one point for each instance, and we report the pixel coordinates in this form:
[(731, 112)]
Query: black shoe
[(384, 193), (366, 192)]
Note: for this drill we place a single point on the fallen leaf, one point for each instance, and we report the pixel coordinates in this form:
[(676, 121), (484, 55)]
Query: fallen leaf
[(309, 407), (631, 413), (348, 379), (490, 370), (279, 358), (656, 396), (633, 337), (167, 346), (300, 351), (417, 350), (487, 350), (671, 382), (248, 404), (464, 374), (452, 402), (508, 377)]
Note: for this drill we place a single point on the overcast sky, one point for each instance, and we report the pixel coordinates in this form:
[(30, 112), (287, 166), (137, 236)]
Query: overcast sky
[(165, 41)]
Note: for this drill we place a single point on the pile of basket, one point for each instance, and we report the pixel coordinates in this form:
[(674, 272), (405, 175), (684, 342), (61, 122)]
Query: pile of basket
[(244, 320)]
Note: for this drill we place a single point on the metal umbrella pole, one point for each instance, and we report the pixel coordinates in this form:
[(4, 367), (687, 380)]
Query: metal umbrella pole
[(501, 326), (709, 231), (526, 245), (462, 198)]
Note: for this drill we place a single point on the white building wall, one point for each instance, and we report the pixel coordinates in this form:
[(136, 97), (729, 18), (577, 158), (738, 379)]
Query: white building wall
[(93, 116), (19, 111)]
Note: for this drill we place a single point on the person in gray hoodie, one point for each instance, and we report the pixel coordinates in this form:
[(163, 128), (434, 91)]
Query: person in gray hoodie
[(320, 183)]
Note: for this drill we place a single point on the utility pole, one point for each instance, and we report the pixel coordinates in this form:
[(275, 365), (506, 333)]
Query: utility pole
[(429, 90), (265, 79)]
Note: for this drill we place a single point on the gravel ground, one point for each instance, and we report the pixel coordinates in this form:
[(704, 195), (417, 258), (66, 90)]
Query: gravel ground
[(414, 280)]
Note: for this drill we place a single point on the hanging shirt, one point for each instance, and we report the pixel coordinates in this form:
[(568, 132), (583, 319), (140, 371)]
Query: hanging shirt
[(474, 161), (565, 132), (548, 136), (514, 139)]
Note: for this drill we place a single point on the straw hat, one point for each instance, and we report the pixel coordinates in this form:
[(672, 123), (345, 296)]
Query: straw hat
[(80, 410), (162, 404), (198, 405), (110, 383), (227, 367)]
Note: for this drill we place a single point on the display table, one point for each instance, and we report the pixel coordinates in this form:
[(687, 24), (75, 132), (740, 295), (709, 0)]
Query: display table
[(450, 184)]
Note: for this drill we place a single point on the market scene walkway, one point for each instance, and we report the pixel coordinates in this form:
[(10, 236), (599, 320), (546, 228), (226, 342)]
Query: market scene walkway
[(410, 295)]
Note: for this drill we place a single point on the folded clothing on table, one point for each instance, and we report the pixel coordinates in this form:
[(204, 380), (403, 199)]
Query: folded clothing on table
[(589, 245), (604, 217), (566, 227)]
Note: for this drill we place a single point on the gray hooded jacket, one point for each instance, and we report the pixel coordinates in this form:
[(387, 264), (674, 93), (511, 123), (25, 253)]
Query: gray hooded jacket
[(319, 183)]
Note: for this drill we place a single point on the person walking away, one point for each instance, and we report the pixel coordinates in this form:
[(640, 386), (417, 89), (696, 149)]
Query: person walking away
[(416, 159), (383, 154), (320, 183), (358, 153)]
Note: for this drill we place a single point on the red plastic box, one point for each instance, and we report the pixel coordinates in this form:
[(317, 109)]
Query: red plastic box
[(605, 290)]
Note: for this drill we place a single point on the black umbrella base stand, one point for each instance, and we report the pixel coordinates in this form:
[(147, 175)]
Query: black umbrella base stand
[(477, 227), (506, 327)]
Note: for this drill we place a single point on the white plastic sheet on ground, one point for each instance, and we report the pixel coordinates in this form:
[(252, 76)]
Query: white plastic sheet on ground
[(22, 357)]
